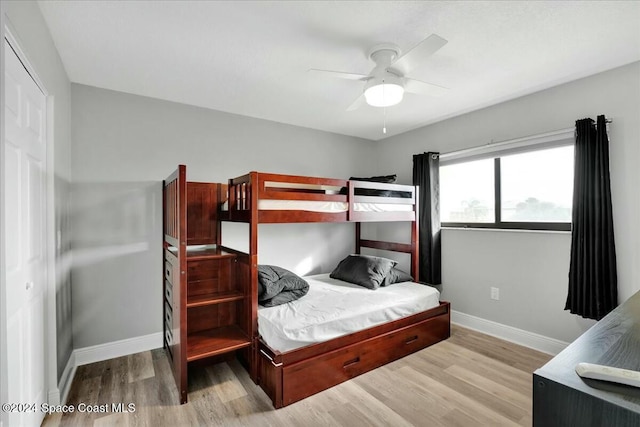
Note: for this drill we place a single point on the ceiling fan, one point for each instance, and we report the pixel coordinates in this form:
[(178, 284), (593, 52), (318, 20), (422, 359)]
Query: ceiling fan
[(386, 84)]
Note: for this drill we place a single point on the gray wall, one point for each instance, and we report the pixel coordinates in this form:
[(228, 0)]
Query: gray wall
[(531, 268), (125, 145), (33, 36)]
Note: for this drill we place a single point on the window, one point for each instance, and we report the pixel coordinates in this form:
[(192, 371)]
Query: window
[(530, 190), (466, 193)]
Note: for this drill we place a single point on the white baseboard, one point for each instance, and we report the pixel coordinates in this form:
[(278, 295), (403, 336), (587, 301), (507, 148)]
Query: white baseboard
[(67, 378), (53, 397), (100, 352), (528, 339), (58, 396)]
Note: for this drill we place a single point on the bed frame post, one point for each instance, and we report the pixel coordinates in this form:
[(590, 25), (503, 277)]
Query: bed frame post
[(350, 200), (358, 237), (221, 190), (415, 248), (231, 199), (253, 262)]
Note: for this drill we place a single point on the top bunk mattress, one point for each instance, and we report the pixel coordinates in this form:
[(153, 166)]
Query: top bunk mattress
[(333, 308), (326, 207)]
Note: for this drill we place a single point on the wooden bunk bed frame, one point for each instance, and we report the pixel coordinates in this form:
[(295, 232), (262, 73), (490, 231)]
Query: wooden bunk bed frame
[(294, 375)]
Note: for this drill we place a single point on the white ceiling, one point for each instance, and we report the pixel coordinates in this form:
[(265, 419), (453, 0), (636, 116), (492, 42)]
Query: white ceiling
[(251, 58)]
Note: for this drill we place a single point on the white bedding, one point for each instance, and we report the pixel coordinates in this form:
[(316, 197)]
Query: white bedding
[(333, 308), (327, 207)]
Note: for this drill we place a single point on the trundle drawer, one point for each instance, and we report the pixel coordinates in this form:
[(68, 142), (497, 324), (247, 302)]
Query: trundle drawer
[(318, 373)]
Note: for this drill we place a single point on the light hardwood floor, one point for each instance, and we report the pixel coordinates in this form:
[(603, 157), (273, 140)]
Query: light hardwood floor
[(471, 379)]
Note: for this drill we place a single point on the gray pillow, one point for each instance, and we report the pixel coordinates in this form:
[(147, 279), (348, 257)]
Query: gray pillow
[(388, 179), (396, 276), (364, 270), (277, 285)]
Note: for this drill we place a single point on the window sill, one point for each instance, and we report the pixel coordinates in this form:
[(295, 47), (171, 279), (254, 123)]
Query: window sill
[(508, 230)]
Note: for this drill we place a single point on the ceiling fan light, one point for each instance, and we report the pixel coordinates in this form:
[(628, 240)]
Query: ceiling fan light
[(384, 94)]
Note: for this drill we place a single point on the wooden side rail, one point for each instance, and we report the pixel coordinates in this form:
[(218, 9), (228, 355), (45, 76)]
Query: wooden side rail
[(272, 178), (292, 187), (248, 189), (409, 197), (387, 246)]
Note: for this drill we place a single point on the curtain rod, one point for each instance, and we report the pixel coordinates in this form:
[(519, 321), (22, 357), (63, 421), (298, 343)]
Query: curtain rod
[(542, 137), (533, 139)]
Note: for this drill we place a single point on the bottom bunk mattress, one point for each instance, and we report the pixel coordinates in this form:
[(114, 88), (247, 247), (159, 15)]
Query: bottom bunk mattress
[(333, 308)]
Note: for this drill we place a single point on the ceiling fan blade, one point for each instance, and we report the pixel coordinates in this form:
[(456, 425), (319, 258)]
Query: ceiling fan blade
[(357, 103), (419, 53), (423, 88), (340, 74)]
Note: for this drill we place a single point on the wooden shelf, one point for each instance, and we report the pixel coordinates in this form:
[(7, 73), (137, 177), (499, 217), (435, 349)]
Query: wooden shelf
[(215, 341), (208, 253), (214, 298)]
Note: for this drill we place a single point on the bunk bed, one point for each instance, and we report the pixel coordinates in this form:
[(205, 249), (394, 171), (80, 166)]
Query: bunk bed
[(261, 198)]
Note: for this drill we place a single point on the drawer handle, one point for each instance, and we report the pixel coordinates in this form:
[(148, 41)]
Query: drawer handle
[(277, 365), (168, 273), (351, 362), (411, 339)]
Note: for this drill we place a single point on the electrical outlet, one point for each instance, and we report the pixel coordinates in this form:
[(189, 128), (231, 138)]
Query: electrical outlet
[(495, 293)]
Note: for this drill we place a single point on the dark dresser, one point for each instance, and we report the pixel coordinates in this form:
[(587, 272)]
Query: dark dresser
[(562, 398)]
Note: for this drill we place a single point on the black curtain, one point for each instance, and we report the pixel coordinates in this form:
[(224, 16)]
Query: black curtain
[(426, 174), (593, 283)]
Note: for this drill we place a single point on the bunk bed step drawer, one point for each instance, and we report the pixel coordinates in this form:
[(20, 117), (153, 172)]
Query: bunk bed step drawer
[(171, 273), (168, 336), (168, 271), (168, 292), (313, 375), (168, 315), (168, 323), (167, 347)]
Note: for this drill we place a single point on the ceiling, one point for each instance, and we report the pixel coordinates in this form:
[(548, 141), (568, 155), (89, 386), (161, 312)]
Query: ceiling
[(251, 58)]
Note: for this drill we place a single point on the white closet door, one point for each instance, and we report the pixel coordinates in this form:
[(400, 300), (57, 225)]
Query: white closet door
[(24, 188)]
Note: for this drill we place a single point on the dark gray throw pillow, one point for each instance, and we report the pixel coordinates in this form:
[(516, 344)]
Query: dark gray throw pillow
[(397, 276), (277, 285), (364, 270), (388, 179)]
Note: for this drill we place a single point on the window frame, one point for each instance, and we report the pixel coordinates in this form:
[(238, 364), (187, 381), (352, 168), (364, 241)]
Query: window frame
[(498, 223)]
